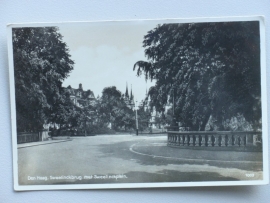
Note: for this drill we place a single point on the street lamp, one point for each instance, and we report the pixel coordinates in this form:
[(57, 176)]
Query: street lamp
[(137, 125), (85, 119), (174, 124)]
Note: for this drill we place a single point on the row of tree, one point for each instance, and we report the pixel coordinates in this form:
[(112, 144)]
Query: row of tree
[(41, 63), (210, 70), (113, 109)]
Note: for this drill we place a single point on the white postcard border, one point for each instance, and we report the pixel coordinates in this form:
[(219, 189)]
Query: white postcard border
[(265, 180)]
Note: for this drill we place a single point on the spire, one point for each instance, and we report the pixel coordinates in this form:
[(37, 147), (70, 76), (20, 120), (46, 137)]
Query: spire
[(131, 96), (126, 94)]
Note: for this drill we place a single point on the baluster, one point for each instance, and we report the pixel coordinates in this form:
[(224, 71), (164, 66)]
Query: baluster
[(181, 140), (197, 144), (234, 140), (222, 141), (191, 140), (239, 141), (185, 137), (216, 140), (259, 140), (203, 143), (242, 141), (209, 140), (178, 139), (229, 141)]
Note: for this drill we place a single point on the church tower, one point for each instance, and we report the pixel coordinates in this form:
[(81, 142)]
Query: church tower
[(131, 96), (126, 94), (131, 101)]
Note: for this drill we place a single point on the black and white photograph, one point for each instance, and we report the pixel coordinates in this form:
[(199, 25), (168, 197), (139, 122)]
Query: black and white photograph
[(142, 103)]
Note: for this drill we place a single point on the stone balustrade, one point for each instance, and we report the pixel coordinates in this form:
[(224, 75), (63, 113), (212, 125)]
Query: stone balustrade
[(214, 138)]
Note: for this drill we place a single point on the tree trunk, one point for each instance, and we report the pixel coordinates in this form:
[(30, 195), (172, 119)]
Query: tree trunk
[(205, 121)]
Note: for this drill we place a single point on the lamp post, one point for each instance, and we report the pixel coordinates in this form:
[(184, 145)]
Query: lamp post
[(137, 125), (85, 134), (174, 124)]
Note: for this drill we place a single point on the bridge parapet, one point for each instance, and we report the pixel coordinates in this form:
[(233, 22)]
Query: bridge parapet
[(215, 139)]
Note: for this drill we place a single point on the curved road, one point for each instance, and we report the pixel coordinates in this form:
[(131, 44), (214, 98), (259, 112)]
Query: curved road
[(131, 159)]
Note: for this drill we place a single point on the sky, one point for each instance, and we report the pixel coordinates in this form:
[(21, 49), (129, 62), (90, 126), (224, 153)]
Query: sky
[(105, 53)]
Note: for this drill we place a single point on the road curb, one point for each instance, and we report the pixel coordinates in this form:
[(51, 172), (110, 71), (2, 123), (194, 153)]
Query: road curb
[(43, 143)]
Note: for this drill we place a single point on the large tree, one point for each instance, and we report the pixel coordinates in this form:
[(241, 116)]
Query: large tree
[(114, 110), (41, 63), (209, 69)]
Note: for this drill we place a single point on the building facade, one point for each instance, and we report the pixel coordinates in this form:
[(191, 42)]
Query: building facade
[(81, 98)]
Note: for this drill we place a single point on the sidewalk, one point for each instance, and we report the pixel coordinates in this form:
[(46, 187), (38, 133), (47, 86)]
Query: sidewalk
[(32, 144)]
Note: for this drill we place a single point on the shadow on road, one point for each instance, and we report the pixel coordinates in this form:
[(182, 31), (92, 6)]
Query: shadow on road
[(158, 154)]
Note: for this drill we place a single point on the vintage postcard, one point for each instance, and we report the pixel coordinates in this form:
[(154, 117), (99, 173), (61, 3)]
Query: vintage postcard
[(135, 104)]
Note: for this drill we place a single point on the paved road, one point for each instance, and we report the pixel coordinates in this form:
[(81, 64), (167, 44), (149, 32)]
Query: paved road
[(131, 159)]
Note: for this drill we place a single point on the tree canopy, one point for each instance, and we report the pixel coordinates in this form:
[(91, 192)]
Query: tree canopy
[(212, 70), (114, 110), (41, 63)]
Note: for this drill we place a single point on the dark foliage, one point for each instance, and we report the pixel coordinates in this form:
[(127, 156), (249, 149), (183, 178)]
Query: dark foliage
[(41, 63), (114, 110), (212, 69)]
